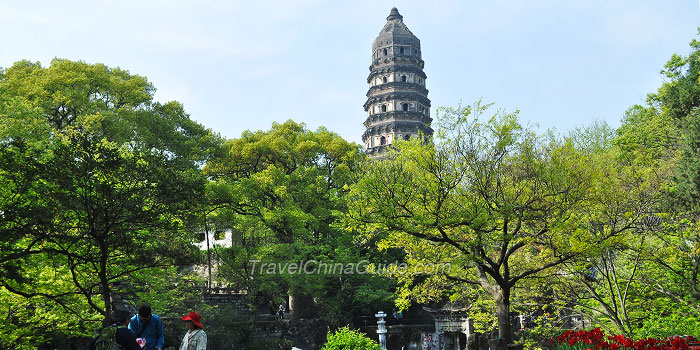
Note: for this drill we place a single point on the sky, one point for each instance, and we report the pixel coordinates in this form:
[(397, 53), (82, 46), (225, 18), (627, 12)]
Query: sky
[(242, 65)]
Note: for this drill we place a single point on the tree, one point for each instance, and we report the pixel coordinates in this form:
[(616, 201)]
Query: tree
[(659, 142), (283, 192), (606, 286), (493, 200), (678, 100), (100, 182)]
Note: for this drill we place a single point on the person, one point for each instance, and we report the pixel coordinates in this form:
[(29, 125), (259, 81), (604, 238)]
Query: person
[(195, 338), (280, 312), (148, 326), (123, 336)]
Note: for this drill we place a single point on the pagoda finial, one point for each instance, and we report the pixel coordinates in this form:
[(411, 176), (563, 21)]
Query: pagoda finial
[(394, 14)]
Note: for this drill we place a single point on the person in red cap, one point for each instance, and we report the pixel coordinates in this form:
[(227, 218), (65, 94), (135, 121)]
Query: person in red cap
[(195, 338)]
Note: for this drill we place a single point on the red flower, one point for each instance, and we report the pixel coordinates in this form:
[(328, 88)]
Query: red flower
[(596, 338)]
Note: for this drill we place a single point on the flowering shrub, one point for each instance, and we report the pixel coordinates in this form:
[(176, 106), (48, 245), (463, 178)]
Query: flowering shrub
[(595, 339)]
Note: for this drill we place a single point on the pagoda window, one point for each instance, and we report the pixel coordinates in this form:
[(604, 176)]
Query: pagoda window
[(405, 107), (407, 137), (385, 52), (403, 79), (382, 140), (401, 50), (384, 80), (383, 108)]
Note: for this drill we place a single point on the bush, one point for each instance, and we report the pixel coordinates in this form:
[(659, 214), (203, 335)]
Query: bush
[(676, 323), (347, 339)]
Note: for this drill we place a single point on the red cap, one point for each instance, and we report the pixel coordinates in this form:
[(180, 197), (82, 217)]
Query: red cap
[(194, 317)]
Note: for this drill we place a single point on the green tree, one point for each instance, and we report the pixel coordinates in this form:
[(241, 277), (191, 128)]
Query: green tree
[(678, 100), (284, 192), (661, 139), (606, 287), (99, 181), (492, 199)]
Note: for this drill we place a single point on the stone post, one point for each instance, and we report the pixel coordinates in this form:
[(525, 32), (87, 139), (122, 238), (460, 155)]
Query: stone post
[(381, 328)]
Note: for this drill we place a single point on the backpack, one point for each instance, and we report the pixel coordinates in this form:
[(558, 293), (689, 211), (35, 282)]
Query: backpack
[(107, 339)]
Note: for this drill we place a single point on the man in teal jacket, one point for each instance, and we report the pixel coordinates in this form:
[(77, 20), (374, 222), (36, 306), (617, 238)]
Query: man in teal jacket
[(148, 326)]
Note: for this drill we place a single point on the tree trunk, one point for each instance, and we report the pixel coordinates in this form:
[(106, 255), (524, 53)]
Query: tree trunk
[(500, 292), (107, 298), (503, 313), (104, 282)]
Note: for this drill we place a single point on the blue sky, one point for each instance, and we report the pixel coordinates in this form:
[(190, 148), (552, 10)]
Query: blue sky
[(242, 65)]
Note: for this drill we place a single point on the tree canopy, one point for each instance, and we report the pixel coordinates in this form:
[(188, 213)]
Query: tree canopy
[(284, 193), (98, 181), (494, 200)]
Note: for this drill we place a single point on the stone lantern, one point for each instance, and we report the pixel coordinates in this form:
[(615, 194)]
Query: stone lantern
[(381, 328)]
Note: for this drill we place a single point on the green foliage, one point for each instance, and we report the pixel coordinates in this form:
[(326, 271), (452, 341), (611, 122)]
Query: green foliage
[(347, 339), (541, 301), (283, 192), (594, 138), (492, 199), (668, 326), (607, 287), (673, 271), (539, 336), (290, 179), (28, 322), (647, 136), (678, 99), (644, 282), (107, 338), (170, 291), (98, 184)]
